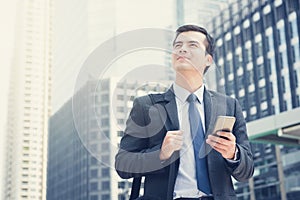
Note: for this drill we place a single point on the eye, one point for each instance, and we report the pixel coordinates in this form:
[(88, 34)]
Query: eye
[(178, 45), (193, 45)]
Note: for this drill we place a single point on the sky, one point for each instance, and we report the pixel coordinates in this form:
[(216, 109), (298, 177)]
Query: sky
[(7, 21), (151, 14), (71, 50), (7, 16)]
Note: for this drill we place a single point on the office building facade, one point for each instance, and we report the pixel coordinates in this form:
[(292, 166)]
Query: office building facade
[(79, 151), (29, 102), (257, 54), (84, 137)]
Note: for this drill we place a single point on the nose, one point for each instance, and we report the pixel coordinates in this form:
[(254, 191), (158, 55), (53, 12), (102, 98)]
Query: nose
[(182, 50)]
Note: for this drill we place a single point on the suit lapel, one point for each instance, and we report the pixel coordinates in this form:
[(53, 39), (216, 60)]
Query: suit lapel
[(172, 124), (210, 111), (213, 107), (171, 109)]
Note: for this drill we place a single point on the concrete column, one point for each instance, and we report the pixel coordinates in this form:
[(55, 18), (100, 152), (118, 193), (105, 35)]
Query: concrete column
[(251, 189), (280, 173)]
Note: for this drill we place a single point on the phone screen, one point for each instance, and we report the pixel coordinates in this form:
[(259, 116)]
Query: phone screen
[(224, 123)]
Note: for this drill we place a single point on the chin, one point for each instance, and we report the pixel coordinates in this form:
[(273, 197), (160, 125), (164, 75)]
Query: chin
[(184, 67)]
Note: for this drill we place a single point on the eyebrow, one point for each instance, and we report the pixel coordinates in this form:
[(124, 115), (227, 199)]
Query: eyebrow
[(190, 42)]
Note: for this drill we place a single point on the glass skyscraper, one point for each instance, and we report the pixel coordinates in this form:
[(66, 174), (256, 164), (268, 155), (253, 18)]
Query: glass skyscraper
[(257, 51), (83, 138)]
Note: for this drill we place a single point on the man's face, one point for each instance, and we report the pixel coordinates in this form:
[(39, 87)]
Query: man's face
[(189, 52)]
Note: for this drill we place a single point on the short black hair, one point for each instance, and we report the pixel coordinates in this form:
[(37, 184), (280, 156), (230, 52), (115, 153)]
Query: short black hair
[(210, 47)]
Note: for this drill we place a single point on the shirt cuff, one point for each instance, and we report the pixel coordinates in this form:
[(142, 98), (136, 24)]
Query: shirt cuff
[(236, 156)]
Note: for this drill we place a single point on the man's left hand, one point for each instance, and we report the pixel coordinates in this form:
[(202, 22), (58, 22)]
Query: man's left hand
[(224, 143)]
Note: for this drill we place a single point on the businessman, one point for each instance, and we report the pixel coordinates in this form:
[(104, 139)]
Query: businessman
[(169, 137)]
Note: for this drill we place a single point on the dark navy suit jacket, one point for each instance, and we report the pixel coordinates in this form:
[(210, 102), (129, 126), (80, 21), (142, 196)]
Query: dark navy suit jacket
[(150, 119)]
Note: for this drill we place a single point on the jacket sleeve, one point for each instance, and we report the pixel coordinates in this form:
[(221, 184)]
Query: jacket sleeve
[(245, 167), (135, 157)]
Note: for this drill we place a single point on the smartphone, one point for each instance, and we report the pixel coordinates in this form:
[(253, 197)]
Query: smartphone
[(224, 123)]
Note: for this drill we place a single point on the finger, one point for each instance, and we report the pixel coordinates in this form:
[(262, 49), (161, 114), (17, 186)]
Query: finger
[(225, 134), (219, 143), (219, 148), (178, 139), (177, 132), (218, 139), (227, 150)]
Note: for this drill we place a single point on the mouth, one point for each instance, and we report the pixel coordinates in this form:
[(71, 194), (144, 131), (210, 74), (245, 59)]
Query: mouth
[(181, 58)]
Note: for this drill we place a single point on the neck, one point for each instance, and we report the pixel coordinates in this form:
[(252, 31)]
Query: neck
[(189, 81)]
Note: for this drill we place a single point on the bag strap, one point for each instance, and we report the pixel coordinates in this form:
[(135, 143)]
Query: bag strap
[(135, 189), (136, 184)]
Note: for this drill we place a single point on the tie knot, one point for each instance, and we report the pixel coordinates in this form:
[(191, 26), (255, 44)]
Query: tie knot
[(191, 98)]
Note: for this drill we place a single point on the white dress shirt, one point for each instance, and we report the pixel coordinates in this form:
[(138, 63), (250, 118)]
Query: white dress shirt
[(186, 182)]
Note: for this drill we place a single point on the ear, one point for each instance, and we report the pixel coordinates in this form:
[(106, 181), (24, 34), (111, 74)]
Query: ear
[(209, 60)]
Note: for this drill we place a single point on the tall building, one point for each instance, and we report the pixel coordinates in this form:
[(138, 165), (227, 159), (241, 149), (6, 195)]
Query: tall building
[(29, 102), (87, 131), (258, 62), (199, 11), (258, 55)]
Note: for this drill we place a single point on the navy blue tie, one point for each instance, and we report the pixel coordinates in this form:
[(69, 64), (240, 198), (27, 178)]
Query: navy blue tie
[(198, 140)]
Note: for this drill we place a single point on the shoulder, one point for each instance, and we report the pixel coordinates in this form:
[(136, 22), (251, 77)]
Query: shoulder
[(232, 104), (149, 99), (154, 98), (219, 95)]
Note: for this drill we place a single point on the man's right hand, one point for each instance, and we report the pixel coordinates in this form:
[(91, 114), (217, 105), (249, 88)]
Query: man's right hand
[(173, 142)]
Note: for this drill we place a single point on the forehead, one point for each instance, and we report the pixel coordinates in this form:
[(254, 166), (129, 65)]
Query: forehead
[(191, 36)]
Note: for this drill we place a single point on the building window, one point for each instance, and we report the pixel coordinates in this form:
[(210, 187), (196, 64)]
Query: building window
[(267, 43), (120, 109), (104, 98), (104, 85), (94, 197), (281, 33), (105, 196), (242, 102), (120, 121), (94, 147), (293, 54), (93, 123), (120, 97), (250, 77), (121, 185), (261, 72), (296, 52), (278, 35), (105, 134), (94, 173), (105, 172), (120, 133), (94, 161), (105, 158), (105, 147), (248, 57), (94, 135), (94, 186), (104, 110), (252, 98), (296, 78), (105, 122), (258, 49), (284, 106), (263, 95), (105, 185), (283, 85)]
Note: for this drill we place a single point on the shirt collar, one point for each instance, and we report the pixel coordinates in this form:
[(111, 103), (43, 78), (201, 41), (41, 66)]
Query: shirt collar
[(182, 94)]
